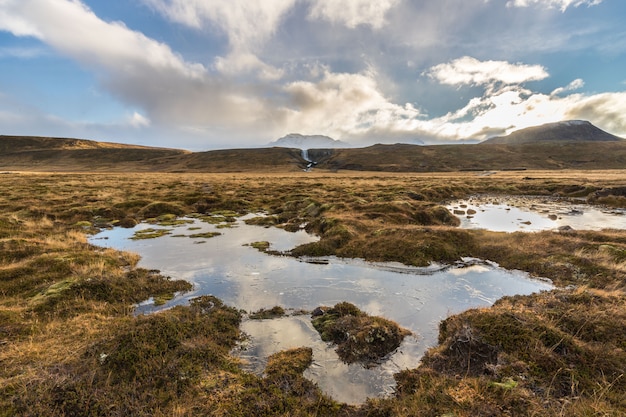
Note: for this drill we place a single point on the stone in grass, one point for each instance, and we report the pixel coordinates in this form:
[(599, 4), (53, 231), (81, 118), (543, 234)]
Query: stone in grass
[(359, 337)]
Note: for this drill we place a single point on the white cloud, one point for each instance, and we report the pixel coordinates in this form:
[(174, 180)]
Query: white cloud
[(559, 4), (574, 85), (470, 71), (248, 25), (91, 41), (607, 110), (15, 24), (138, 70), (351, 106), (137, 120), (352, 13), (344, 105), (246, 63), (516, 108)]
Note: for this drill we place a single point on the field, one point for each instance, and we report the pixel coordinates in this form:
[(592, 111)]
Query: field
[(71, 346)]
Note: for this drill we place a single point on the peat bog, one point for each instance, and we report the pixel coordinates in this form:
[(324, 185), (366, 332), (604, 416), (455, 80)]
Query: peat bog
[(244, 276), (71, 344)]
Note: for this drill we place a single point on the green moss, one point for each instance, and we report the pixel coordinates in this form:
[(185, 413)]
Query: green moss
[(272, 313), (266, 221), (206, 235), (262, 246), (150, 233), (169, 220)]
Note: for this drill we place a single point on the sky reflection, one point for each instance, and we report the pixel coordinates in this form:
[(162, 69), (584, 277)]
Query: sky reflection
[(417, 298)]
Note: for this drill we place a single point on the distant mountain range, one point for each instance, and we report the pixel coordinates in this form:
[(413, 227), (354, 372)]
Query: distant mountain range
[(564, 145), (567, 131), (296, 140)]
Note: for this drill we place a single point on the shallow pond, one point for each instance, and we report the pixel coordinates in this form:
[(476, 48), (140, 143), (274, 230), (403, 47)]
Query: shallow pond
[(416, 298), (531, 214)]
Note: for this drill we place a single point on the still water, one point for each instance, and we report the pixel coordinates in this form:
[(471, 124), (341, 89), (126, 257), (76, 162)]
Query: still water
[(532, 214), (417, 298)]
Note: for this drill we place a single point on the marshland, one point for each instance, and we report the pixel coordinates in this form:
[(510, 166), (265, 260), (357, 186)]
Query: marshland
[(73, 343)]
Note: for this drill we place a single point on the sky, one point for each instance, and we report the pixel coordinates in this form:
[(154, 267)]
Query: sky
[(211, 74)]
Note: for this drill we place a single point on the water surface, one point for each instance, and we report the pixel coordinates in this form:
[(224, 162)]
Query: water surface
[(417, 298), (531, 214)]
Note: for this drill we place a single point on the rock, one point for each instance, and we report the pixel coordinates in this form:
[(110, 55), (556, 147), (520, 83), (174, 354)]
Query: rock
[(319, 311)]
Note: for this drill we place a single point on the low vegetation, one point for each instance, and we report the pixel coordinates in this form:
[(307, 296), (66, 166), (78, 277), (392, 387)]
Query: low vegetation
[(358, 336), (71, 344), (559, 354), (262, 314)]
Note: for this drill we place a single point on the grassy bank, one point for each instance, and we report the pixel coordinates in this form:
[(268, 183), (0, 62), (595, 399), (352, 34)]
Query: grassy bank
[(71, 345)]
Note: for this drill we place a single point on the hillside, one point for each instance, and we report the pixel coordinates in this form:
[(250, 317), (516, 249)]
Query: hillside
[(572, 145), (39, 143), (412, 158), (63, 154), (567, 131), (27, 153)]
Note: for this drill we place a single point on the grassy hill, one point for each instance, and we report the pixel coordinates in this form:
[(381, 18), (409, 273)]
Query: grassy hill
[(482, 157), (566, 131), (24, 153), (60, 154)]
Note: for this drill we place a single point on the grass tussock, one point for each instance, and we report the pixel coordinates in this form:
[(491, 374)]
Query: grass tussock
[(547, 354), (358, 336), (263, 314)]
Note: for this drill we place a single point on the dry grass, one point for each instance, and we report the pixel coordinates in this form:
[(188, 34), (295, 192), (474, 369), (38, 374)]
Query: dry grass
[(65, 302)]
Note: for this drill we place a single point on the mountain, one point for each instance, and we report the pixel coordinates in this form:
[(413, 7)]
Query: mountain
[(566, 131), (566, 145), (295, 140)]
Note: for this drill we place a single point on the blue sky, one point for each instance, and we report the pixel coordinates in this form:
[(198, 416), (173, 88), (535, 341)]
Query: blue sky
[(207, 74)]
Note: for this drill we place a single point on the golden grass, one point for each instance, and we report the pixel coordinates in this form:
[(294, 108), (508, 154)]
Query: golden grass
[(64, 302)]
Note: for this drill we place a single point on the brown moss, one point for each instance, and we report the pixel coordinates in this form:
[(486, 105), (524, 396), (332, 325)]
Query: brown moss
[(359, 337)]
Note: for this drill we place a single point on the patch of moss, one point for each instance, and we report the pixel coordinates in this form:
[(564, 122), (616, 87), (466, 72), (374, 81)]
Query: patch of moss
[(206, 235), (169, 220), (150, 233), (262, 246), (272, 313), (266, 221)]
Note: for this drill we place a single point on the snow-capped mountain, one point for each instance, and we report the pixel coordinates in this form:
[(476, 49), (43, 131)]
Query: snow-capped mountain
[(295, 140)]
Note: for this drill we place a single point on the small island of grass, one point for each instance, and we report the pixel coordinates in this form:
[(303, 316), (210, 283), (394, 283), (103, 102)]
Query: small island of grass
[(358, 336)]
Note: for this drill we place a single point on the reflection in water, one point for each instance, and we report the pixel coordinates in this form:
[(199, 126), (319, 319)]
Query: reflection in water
[(531, 214), (416, 298)]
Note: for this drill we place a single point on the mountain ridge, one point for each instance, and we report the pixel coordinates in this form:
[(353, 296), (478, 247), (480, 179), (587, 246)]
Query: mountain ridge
[(546, 153), (569, 130), (296, 140)]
